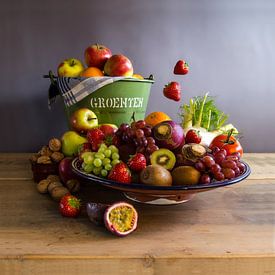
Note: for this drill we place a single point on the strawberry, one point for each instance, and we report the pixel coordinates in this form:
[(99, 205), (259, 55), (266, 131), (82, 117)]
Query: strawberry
[(121, 173), (69, 206), (137, 162), (193, 136), (181, 67), (172, 91), (95, 137)]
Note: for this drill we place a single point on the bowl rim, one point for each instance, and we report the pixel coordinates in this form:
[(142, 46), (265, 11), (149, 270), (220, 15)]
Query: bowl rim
[(138, 186)]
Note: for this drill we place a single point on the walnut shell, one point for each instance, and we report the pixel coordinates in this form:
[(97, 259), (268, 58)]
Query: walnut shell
[(34, 158), (73, 185), (44, 160), (54, 184), (57, 156), (53, 178), (45, 151), (58, 192), (55, 144), (42, 186)]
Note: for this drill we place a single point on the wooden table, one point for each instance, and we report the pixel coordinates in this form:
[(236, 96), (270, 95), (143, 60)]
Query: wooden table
[(228, 230)]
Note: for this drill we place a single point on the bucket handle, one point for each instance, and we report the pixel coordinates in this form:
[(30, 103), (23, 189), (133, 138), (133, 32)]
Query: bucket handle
[(53, 90)]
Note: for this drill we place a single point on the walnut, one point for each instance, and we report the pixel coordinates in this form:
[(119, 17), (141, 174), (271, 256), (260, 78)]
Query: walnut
[(57, 156), (44, 160), (58, 192), (53, 178), (42, 186), (73, 185), (45, 151), (34, 158), (54, 184), (55, 144)]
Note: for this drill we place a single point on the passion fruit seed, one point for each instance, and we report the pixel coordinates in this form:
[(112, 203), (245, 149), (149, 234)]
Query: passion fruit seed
[(122, 218)]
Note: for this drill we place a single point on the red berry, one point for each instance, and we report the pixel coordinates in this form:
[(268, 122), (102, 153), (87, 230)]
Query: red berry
[(69, 206), (193, 136), (95, 137), (137, 162), (121, 173), (172, 91)]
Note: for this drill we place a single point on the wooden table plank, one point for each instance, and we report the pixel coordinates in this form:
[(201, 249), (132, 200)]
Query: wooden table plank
[(15, 166), (233, 220)]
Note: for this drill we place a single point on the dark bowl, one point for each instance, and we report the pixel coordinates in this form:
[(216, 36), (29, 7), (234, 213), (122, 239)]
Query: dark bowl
[(160, 195)]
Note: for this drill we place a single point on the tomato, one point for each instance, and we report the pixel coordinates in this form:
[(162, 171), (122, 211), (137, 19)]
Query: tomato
[(227, 142)]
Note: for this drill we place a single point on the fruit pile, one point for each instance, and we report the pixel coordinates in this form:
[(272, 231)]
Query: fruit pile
[(159, 154), (100, 62)]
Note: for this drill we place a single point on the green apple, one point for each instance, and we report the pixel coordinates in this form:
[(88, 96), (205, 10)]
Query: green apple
[(83, 119), (71, 67), (71, 141)]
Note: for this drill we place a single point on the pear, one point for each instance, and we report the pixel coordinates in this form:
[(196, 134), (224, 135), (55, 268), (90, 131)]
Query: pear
[(71, 141)]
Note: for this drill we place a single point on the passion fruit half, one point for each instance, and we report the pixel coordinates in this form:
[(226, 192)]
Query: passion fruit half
[(121, 218)]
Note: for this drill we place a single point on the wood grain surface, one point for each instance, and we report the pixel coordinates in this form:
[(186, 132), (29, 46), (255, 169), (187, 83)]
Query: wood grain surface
[(229, 230)]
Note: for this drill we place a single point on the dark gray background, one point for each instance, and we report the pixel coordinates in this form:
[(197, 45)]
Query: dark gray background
[(230, 46)]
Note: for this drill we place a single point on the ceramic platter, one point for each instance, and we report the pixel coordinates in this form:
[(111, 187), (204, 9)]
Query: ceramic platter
[(158, 195)]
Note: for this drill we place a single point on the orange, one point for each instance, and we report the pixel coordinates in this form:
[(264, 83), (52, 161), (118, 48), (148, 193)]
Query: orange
[(156, 117), (138, 76), (92, 72)]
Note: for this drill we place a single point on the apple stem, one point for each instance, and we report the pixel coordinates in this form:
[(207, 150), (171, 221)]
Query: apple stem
[(72, 62), (92, 118)]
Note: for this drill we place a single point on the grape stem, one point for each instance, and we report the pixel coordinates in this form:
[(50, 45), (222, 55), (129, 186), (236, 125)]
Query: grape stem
[(133, 117)]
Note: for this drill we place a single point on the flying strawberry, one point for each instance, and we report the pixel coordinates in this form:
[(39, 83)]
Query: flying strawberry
[(193, 136), (121, 173), (172, 91), (181, 67), (137, 162), (69, 206)]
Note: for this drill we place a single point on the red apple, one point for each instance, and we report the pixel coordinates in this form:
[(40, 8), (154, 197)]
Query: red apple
[(108, 129), (83, 119), (65, 170), (96, 56), (118, 65)]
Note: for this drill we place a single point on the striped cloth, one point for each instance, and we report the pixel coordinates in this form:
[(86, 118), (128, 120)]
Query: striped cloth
[(75, 89)]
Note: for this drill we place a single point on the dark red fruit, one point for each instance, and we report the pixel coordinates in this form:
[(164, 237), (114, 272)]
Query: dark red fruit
[(96, 212)]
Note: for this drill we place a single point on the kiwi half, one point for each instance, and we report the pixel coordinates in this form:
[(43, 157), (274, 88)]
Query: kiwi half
[(164, 158)]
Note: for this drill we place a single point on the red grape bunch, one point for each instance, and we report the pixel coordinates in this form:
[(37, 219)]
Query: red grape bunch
[(137, 135), (219, 166)]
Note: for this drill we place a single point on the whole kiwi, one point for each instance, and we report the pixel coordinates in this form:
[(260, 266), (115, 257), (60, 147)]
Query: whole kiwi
[(156, 175), (185, 175)]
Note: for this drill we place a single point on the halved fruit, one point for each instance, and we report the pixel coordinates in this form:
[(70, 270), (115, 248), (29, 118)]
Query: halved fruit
[(164, 158), (121, 218)]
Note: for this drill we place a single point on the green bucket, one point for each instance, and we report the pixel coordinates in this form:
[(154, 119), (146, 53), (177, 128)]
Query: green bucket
[(116, 102)]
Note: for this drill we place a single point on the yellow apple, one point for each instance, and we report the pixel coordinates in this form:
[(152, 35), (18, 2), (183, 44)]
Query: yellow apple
[(71, 67)]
